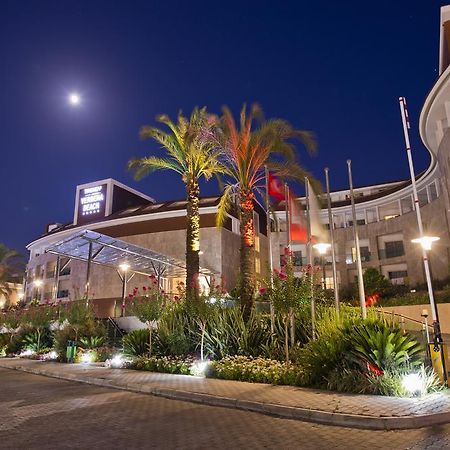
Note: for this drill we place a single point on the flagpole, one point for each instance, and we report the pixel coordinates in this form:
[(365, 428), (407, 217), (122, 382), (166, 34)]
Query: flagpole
[(434, 309), (333, 252), (269, 246), (362, 296), (288, 219), (310, 260), (289, 259)]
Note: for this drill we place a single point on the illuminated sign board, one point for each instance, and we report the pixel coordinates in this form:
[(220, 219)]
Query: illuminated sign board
[(91, 203), (91, 200)]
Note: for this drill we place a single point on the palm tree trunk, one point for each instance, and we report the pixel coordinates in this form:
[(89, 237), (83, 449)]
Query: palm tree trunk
[(192, 239), (247, 263)]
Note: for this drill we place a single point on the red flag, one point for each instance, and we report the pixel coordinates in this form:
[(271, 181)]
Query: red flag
[(299, 232), (276, 188)]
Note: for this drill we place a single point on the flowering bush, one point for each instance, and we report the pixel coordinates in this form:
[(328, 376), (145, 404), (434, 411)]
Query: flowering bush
[(257, 370), (164, 364)]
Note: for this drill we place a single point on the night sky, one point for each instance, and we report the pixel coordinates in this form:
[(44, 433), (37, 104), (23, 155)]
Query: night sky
[(335, 68)]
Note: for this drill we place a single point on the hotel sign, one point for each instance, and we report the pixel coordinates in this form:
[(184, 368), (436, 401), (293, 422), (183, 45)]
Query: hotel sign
[(91, 204)]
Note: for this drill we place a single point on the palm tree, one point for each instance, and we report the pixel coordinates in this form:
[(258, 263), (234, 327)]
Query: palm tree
[(248, 150), (10, 269), (193, 157)]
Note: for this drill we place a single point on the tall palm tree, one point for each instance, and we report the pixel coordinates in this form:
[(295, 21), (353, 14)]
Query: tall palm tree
[(10, 269), (248, 149), (193, 157)]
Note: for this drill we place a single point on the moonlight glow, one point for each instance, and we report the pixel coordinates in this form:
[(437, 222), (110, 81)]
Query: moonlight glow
[(74, 99)]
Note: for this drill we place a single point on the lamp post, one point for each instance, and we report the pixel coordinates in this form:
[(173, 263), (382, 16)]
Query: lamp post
[(38, 283), (322, 248), (124, 267)]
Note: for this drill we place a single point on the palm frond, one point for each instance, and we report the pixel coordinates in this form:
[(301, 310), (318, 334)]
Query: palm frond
[(224, 205), (144, 166)]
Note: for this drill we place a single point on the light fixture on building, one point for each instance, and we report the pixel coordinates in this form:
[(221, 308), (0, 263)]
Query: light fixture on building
[(425, 241), (322, 247), (124, 267), (38, 283)]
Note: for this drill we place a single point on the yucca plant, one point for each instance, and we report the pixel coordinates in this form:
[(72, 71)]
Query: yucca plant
[(136, 343), (384, 347)]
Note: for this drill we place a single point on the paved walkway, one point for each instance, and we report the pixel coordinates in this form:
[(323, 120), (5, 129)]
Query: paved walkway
[(356, 411)]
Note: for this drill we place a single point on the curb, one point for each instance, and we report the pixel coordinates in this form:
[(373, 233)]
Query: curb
[(271, 409)]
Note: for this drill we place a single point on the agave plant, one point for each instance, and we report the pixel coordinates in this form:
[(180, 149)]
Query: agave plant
[(90, 342), (386, 348)]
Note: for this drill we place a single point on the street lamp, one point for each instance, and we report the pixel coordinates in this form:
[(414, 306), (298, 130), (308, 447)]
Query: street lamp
[(37, 283), (322, 248), (425, 241), (123, 269)]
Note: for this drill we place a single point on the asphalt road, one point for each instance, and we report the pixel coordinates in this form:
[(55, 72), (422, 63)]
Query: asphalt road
[(37, 412)]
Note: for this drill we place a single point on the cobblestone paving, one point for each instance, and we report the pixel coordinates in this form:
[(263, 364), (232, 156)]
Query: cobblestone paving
[(44, 413), (372, 406)]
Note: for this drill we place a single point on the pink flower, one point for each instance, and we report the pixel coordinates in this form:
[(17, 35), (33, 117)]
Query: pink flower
[(262, 290), (282, 276), (130, 296)]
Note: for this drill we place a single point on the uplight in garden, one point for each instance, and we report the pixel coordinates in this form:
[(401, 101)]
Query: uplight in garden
[(413, 383)]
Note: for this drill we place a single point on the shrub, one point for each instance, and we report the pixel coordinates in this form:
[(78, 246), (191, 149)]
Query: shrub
[(90, 342), (164, 364), (176, 334), (258, 370), (76, 332), (387, 348), (228, 334), (136, 343), (37, 340)]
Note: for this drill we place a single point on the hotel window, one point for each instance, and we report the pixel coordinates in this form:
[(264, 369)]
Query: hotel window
[(257, 265), (256, 222), (364, 252), (297, 259), (398, 276), (63, 293), (423, 197), (406, 204), (432, 190), (394, 249), (257, 243)]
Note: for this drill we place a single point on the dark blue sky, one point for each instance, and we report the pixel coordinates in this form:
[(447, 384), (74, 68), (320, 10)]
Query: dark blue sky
[(336, 68)]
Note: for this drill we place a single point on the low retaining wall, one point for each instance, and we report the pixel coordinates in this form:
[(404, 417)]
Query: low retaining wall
[(415, 311)]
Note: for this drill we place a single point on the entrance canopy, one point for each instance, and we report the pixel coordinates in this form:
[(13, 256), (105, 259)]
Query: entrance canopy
[(98, 248)]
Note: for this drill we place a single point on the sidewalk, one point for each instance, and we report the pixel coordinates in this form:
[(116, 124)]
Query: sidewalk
[(355, 411)]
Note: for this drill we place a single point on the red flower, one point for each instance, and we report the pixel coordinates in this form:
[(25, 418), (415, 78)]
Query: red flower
[(130, 296), (262, 290), (282, 276), (152, 277), (176, 298), (374, 369), (144, 288)]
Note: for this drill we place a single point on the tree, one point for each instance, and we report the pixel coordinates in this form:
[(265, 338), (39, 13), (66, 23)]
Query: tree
[(374, 281), (10, 269), (247, 151), (192, 156)]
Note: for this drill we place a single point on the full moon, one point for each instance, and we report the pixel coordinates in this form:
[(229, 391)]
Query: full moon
[(74, 99)]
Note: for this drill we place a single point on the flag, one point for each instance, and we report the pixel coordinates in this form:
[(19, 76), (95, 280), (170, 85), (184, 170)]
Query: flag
[(318, 231), (299, 232), (276, 188)]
